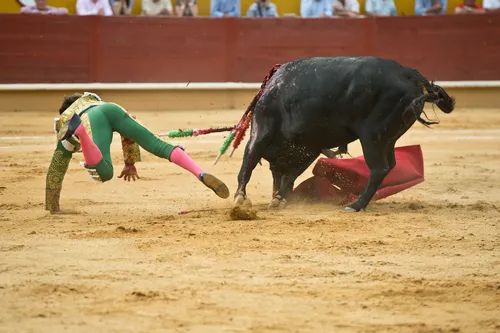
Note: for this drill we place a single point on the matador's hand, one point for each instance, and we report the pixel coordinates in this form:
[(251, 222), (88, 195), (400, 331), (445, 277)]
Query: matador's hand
[(129, 172)]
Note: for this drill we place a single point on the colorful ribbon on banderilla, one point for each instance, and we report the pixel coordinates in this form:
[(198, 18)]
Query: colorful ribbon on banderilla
[(237, 132), (180, 133)]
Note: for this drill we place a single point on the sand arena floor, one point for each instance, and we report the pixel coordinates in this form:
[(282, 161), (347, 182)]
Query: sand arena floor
[(162, 255)]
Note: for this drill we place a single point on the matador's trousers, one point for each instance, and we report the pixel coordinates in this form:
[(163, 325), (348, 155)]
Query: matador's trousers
[(108, 118)]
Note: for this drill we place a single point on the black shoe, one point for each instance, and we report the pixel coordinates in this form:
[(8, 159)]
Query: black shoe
[(215, 185), (69, 128)]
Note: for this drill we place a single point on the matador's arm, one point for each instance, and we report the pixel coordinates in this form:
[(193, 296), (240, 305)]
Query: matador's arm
[(131, 155), (55, 176), (131, 151)]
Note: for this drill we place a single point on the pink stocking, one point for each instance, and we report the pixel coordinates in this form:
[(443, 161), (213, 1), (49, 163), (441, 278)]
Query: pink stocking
[(182, 159), (91, 152)]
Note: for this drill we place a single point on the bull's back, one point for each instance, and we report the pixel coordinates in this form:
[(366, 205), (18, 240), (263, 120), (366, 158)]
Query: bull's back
[(317, 98)]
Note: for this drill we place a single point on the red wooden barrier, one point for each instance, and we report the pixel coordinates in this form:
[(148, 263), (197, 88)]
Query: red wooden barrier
[(37, 48)]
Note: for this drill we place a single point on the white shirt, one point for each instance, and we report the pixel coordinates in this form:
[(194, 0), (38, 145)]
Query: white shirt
[(491, 4), (88, 7), (151, 8), (315, 8), (380, 7)]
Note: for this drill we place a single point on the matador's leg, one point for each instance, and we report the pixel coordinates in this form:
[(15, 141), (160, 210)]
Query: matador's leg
[(91, 152), (95, 148), (123, 123)]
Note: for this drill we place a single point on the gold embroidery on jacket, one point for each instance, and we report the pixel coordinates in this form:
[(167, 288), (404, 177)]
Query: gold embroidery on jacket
[(78, 106), (55, 176), (131, 151)]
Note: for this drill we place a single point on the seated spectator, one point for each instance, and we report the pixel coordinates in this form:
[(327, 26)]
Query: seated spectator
[(225, 8), (156, 8), (41, 7), (315, 8), (93, 7), (430, 7), (468, 7), (262, 8), (380, 8), (122, 7), (186, 8), (491, 5), (346, 8)]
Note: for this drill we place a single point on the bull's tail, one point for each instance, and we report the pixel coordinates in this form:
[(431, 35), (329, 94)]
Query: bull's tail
[(239, 130)]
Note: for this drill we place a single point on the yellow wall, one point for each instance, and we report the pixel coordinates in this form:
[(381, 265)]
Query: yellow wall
[(405, 7)]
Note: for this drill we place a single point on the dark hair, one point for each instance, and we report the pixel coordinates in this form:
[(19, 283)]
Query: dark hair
[(68, 100)]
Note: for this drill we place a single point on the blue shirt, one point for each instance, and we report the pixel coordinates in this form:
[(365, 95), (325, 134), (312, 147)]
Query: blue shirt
[(381, 7), (221, 7), (314, 8), (422, 5), (266, 10)]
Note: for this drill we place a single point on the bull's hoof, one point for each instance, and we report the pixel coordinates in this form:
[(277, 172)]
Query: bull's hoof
[(277, 203), (242, 200), (283, 204), (353, 209)]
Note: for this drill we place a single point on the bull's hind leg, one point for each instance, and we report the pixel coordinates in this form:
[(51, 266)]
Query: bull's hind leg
[(379, 157)]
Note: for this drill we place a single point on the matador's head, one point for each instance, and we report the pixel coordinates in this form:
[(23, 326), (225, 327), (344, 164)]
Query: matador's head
[(68, 100)]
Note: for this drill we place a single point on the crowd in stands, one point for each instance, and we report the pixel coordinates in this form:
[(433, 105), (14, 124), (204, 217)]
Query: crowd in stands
[(260, 8)]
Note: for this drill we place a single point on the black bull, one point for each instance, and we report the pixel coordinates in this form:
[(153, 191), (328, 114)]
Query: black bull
[(317, 103)]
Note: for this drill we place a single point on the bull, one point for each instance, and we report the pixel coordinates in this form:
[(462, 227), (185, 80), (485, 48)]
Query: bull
[(312, 104)]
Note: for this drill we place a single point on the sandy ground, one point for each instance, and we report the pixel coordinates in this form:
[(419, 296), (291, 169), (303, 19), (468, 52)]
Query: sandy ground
[(162, 255)]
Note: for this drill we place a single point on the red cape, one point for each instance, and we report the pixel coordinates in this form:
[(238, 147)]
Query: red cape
[(342, 180)]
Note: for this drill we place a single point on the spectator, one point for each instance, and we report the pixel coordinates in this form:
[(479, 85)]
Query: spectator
[(262, 8), (491, 5), (41, 7), (315, 8), (468, 7), (156, 8), (346, 8), (224, 8), (122, 7), (380, 8), (186, 8), (430, 7), (93, 7)]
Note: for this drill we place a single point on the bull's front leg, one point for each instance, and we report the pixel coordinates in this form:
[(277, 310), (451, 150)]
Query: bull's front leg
[(251, 157)]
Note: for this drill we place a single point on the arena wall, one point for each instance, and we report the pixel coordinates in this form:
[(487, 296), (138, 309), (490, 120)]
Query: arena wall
[(285, 7), (37, 48)]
